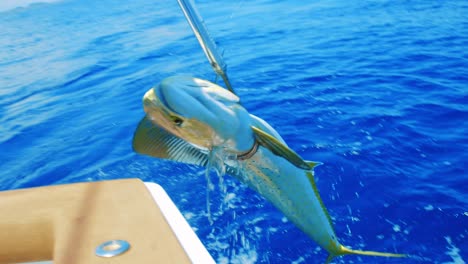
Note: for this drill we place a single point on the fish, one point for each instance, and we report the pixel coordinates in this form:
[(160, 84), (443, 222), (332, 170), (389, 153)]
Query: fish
[(187, 118)]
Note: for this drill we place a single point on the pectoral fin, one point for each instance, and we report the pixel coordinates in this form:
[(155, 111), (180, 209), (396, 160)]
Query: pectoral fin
[(278, 148), (152, 140)]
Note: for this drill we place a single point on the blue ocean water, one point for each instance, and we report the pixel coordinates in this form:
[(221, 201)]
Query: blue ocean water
[(377, 90)]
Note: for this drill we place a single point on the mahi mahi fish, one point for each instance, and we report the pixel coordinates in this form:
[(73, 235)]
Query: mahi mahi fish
[(187, 117)]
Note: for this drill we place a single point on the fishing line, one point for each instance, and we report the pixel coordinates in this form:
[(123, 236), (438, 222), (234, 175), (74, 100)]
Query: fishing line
[(206, 42)]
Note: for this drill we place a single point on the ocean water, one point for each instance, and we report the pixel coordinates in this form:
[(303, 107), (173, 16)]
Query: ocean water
[(377, 90)]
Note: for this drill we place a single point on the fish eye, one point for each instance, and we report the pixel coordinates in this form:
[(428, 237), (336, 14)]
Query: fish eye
[(177, 121)]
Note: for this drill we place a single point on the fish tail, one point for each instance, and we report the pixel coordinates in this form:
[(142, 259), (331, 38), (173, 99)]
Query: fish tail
[(347, 251)]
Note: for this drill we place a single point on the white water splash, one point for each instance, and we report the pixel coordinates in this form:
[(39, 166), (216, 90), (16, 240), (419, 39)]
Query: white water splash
[(298, 261), (238, 247), (429, 207), (453, 252), (217, 159), (248, 257), (209, 188)]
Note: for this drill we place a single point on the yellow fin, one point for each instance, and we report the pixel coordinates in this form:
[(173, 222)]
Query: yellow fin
[(347, 251), (313, 164), (152, 140), (274, 145)]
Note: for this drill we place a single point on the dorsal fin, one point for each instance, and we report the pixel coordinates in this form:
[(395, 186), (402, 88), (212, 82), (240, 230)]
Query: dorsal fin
[(274, 145), (150, 139)]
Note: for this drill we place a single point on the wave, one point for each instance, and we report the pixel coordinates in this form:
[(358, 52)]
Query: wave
[(7, 5)]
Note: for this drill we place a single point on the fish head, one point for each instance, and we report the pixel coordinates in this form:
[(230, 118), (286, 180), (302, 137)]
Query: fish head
[(200, 112)]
